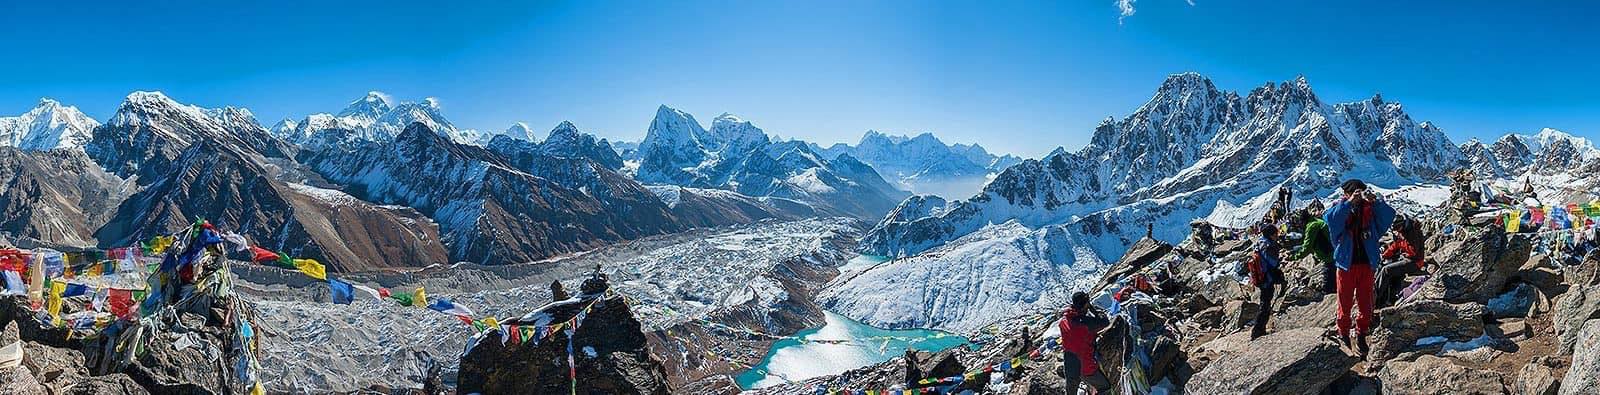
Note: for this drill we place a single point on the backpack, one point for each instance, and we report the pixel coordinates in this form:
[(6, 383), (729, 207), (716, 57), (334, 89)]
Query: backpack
[(1256, 269)]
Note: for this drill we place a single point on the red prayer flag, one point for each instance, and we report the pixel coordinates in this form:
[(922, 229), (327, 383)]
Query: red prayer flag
[(121, 301), (263, 255)]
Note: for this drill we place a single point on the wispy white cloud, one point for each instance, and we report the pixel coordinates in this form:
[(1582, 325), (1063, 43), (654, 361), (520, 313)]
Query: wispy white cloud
[(1125, 7)]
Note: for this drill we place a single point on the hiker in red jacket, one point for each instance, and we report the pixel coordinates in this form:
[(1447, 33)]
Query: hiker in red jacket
[(1401, 258), (1080, 324)]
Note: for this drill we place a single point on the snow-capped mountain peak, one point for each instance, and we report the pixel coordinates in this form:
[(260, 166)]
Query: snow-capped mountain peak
[(368, 108), (49, 125), (730, 133), (139, 104), (521, 131)]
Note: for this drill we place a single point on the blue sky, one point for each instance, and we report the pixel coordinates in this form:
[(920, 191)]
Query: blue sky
[(1016, 77)]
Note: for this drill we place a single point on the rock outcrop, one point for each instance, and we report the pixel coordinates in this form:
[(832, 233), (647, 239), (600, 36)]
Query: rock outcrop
[(1435, 375), (1300, 361), (609, 350)]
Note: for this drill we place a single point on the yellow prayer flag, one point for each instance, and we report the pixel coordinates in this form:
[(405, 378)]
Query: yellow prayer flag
[(256, 390), (312, 268), (421, 299), (491, 322), (1513, 221), (56, 289)]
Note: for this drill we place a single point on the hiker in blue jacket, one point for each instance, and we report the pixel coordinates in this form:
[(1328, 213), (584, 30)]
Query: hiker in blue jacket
[(1354, 225), (1265, 274)]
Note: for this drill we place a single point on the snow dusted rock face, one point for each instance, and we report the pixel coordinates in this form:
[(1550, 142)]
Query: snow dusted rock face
[(1180, 154), (566, 141), (998, 272), (232, 188), (150, 131), (670, 151), (925, 165), (55, 197), (50, 125), (491, 209), (736, 155)]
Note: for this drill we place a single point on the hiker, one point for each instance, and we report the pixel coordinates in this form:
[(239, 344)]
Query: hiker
[(1080, 324), (1202, 230), (1265, 274), (1400, 259), (1285, 199), (1354, 225), (1314, 242)]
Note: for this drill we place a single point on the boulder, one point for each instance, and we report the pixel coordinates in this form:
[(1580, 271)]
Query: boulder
[(1538, 378), (197, 367), (1237, 314), (1584, 374), (1316, 314), (1544, 275), (1300, 361), (1398, 328), (1304, 281), (111, 384), (1573, 309), (19, 381), (52, 366), (1140, 254), (1585, 273), (613, 355), (1476, 267), (1434, 375)]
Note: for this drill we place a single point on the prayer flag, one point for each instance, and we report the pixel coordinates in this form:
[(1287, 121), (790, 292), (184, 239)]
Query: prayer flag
[(341, 291), (421, 298), (262, 255), (375, 294), (240, 244), (120, 302), (404, 298), (13, 260), (444, 305), (1513, 221), (74, 290), (311, 268), (14, 284), (56, 289), (98, 302), (54, 263)]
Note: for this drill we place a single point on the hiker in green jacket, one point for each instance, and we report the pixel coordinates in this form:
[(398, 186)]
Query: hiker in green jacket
[(1316, 243)]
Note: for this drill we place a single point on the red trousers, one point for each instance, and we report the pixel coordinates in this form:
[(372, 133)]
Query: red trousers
[(1355, 292)]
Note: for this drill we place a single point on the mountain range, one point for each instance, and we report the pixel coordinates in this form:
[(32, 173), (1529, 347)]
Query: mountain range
[(1191, 151), (924, 164), (380, 185)]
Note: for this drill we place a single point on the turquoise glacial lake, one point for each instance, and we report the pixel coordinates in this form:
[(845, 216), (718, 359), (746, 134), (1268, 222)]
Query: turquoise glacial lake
[(794, 360)]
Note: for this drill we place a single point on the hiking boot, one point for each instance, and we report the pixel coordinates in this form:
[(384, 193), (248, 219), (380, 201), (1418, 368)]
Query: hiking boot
[(1361, 346)]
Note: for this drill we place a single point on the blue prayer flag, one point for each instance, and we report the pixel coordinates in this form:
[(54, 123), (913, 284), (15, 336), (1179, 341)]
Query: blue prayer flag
[(75, 290), (342, 292)]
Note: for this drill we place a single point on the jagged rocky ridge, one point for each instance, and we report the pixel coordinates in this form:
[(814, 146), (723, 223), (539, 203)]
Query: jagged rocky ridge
[(1192, 152)]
